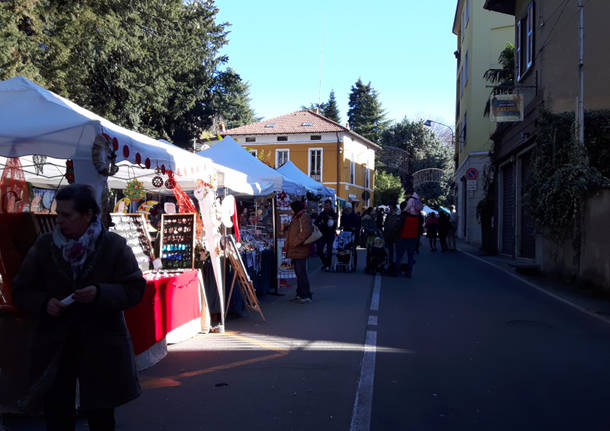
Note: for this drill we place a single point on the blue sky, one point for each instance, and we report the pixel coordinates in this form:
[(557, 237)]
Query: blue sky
[(403, 47)]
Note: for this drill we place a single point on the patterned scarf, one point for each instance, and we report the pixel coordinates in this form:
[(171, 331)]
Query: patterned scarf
[(76, 251)]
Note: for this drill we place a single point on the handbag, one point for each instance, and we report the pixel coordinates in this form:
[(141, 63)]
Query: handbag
[(315, 235)]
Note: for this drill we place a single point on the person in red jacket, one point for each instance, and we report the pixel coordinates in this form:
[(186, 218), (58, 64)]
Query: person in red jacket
[(409, 233)]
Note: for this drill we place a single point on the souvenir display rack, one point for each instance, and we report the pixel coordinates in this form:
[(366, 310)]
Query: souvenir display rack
[(133, 227), (283, 219), (178, 241)]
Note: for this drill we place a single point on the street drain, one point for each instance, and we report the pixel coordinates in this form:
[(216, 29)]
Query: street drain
[(528, 324)]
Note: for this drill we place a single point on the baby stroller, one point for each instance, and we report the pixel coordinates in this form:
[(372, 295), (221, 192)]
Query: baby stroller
[(376, 256), (345, 251)]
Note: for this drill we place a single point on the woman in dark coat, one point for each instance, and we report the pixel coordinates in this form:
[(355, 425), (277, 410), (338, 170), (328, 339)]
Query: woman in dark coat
[(299, 229), (76, 282)]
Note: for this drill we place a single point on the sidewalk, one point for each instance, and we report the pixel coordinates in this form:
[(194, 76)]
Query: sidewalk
[(575, 296)]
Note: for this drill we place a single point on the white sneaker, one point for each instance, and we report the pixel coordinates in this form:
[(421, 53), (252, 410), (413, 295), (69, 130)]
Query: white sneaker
[(305, 300)]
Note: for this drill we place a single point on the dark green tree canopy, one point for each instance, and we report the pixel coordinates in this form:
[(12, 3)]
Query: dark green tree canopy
[(365, 114), (148, 65), (330, 109), (410, 146)]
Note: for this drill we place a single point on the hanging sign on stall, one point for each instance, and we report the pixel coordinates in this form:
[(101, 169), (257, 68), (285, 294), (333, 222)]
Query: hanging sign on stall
[(178, 240), (134, 229)]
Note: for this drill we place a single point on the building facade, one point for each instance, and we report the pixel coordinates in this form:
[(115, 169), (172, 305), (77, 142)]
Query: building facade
[(481, 36), (326, 151), (546, 75)]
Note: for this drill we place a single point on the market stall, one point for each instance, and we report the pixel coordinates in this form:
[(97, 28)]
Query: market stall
[(60, 142)]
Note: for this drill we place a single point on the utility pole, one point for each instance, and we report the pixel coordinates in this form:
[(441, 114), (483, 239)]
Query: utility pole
[(580, 115)]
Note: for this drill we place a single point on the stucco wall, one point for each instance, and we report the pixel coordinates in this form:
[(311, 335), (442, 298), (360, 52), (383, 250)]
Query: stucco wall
[(594, 264)]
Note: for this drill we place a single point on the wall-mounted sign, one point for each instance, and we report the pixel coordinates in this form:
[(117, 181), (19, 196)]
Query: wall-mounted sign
[(506, 108), (472, 174)]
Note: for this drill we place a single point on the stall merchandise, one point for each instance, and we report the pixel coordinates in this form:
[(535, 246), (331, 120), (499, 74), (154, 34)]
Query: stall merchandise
[(134, 228), (178, 240), (283, 218)]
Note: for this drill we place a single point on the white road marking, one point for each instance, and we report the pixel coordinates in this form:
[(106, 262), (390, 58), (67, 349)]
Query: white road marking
[(363, 404), (373, 320), (546, 292), (376, 292)]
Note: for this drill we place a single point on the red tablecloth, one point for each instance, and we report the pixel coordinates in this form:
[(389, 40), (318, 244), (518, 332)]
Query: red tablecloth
[(168, 303)]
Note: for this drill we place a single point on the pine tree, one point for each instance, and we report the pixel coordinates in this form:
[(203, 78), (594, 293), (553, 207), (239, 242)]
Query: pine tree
[(229, 99), (330, 110), (365, 114)]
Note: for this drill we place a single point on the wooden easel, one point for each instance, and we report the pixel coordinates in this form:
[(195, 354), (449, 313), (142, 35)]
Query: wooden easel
[(240, 274)]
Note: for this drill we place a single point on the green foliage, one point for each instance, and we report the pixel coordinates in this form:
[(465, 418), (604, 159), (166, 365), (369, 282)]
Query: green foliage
[(562, 177), (330, 109), (230, 99), (411, 146), (503, 77), (365, 114), (148, 65), (388, 188)]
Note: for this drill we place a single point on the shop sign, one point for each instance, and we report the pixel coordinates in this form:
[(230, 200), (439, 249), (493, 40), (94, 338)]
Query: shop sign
[(506, 108)]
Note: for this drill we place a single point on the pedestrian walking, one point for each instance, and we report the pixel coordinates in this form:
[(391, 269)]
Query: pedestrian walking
[(391, 231), (431, 226), (75, 283), (327, 223), (409, 232), (379, 218), (299, 229), (369, 227), (444, 225), (453, 221)]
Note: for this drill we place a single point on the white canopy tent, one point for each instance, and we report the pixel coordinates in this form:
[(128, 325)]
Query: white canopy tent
[(260, 179), (35, 121), (291, 171)]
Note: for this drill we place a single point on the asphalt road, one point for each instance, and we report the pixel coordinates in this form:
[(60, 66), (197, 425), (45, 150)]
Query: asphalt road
[(461, 345)]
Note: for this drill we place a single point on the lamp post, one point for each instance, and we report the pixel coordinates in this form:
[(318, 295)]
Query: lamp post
[(428, 123)]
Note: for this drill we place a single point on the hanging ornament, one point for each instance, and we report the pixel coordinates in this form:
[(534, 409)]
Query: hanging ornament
[(170, 183), (138, 158), (125, 151), (147, 163), (39, 162), (135, 190), (157, 181), (70, 171)]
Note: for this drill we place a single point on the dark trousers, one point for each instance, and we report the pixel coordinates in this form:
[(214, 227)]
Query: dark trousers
[(300, 269), (325, 249), (60, 401), (391, 245), (406, 245)]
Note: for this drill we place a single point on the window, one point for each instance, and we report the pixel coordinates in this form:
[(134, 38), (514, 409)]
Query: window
[(282, 138), (463, 136), (465, 77), (352, 172), (525, 44), (281, 157), (518, 51), (269, 126), (529, 48), (250, 139), (253, 152), (306, 123), (367, 178), (315, 163), (315, 137)]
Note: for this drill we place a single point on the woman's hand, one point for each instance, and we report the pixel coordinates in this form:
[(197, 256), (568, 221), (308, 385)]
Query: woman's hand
[(55, 307), (86, 294)]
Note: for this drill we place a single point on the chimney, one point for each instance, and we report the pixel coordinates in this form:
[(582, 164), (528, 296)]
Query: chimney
[(222, 127), (347, 125)]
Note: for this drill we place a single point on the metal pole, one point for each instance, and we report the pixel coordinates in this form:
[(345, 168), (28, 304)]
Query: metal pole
[(581, 74)]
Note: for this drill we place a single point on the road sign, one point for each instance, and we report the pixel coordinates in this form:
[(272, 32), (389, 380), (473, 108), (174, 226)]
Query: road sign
[(472, 174)]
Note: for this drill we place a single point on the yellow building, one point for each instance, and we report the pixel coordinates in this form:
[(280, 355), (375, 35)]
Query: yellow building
[(326, 151), (481, 36)]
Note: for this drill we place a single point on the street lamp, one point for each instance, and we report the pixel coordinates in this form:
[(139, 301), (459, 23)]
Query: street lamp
[(428, 123)]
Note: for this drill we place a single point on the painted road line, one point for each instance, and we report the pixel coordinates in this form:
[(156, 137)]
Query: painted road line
[(540, 289), (376, 292), (363, 404), (373, 320)]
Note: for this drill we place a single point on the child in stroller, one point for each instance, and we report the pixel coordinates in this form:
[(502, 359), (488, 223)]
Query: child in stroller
[(376, 256), (346, 248)]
